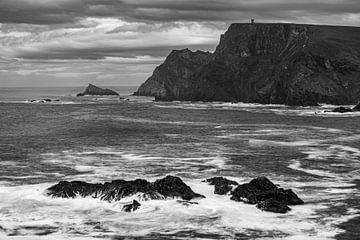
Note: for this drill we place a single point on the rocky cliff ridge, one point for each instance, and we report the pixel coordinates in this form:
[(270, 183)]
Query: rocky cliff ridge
[(265, 63)]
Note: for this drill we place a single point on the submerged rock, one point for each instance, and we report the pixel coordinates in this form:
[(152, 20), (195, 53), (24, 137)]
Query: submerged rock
[(167, 188), (97, 91), (131, 207), (222, 185), (266, 195)]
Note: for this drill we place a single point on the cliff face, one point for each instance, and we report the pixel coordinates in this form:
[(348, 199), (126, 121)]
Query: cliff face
[(266, 63), (173, 78)]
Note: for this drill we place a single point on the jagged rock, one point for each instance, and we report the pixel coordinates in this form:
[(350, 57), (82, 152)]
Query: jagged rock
[(131, 207), (168, 187), (222, 185), (94, 90), (342, 110), (266, 195), (356, 108), (265, 63)]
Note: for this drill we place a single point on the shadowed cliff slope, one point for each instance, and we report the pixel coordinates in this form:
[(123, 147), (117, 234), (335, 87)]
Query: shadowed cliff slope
[(265, 63)]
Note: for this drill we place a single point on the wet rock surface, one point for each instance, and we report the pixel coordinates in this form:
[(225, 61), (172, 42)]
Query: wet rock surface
[(131, 207), (97, 91), (291, 64), (222, 185), (266, 195), (166, 188), (260, 191)]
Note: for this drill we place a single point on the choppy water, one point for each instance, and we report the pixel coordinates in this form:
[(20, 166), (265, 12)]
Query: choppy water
[(97, 139)]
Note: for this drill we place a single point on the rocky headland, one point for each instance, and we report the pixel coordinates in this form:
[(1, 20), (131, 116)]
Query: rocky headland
[(97, 91), (278, 63)]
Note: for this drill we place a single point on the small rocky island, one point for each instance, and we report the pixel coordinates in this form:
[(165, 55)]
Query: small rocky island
[(293, 64), (260, 191), (93, 90)]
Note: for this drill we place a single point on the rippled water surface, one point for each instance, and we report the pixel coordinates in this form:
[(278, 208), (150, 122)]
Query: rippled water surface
[(98, 139)]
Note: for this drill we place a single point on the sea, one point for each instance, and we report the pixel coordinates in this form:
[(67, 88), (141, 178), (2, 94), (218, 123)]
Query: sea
[(97, 139)]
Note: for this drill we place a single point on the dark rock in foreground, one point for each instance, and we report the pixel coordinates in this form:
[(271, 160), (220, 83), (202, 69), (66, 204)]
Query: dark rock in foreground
[(271, 205), (96, 91), (266, 195), (293, 64), (165, 188), (222, 185), (131, 206)]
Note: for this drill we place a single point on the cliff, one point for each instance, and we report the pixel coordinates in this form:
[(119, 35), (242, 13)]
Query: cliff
[(266, 63), (94, 90)]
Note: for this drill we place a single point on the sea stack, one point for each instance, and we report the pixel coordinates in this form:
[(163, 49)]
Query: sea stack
[(278, 63), (94, 90)]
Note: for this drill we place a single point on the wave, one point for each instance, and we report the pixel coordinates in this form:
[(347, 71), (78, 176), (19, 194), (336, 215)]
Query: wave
[(279, 109), (26, 212)]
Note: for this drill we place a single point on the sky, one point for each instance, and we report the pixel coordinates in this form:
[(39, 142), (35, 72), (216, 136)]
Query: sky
[(120, 42)]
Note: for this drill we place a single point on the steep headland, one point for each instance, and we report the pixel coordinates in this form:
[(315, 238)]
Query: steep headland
[(94, 90), (265, 63)]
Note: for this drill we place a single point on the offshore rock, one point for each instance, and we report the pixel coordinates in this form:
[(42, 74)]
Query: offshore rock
[(266, 195), (167, 188), (342, 110), (222, 185), (44, 100), (265, 63), (94, 90)]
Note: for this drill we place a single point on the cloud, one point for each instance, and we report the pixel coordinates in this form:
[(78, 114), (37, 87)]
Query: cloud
[(70, 11)]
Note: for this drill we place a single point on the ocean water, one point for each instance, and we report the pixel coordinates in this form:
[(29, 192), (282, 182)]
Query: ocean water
[(97, 139)]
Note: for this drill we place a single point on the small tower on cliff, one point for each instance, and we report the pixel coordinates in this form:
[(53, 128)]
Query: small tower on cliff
[(252, 21)]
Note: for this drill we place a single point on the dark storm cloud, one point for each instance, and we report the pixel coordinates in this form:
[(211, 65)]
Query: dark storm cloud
[(69, 11)]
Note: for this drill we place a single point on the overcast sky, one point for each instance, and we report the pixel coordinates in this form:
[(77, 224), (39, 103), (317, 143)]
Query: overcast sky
[(120, 42)]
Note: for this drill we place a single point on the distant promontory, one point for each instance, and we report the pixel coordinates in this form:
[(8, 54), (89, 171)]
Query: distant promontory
[(276, 63), (97, 91)]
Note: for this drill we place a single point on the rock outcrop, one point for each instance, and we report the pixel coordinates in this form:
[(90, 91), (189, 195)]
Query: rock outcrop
[(260, 191), (266, 195), (131, 207), (266, 63), (222, 185), (94, 90), (167, 188)]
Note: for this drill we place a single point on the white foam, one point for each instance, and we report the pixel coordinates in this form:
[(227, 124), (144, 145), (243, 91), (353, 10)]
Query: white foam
[(301, 143)]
